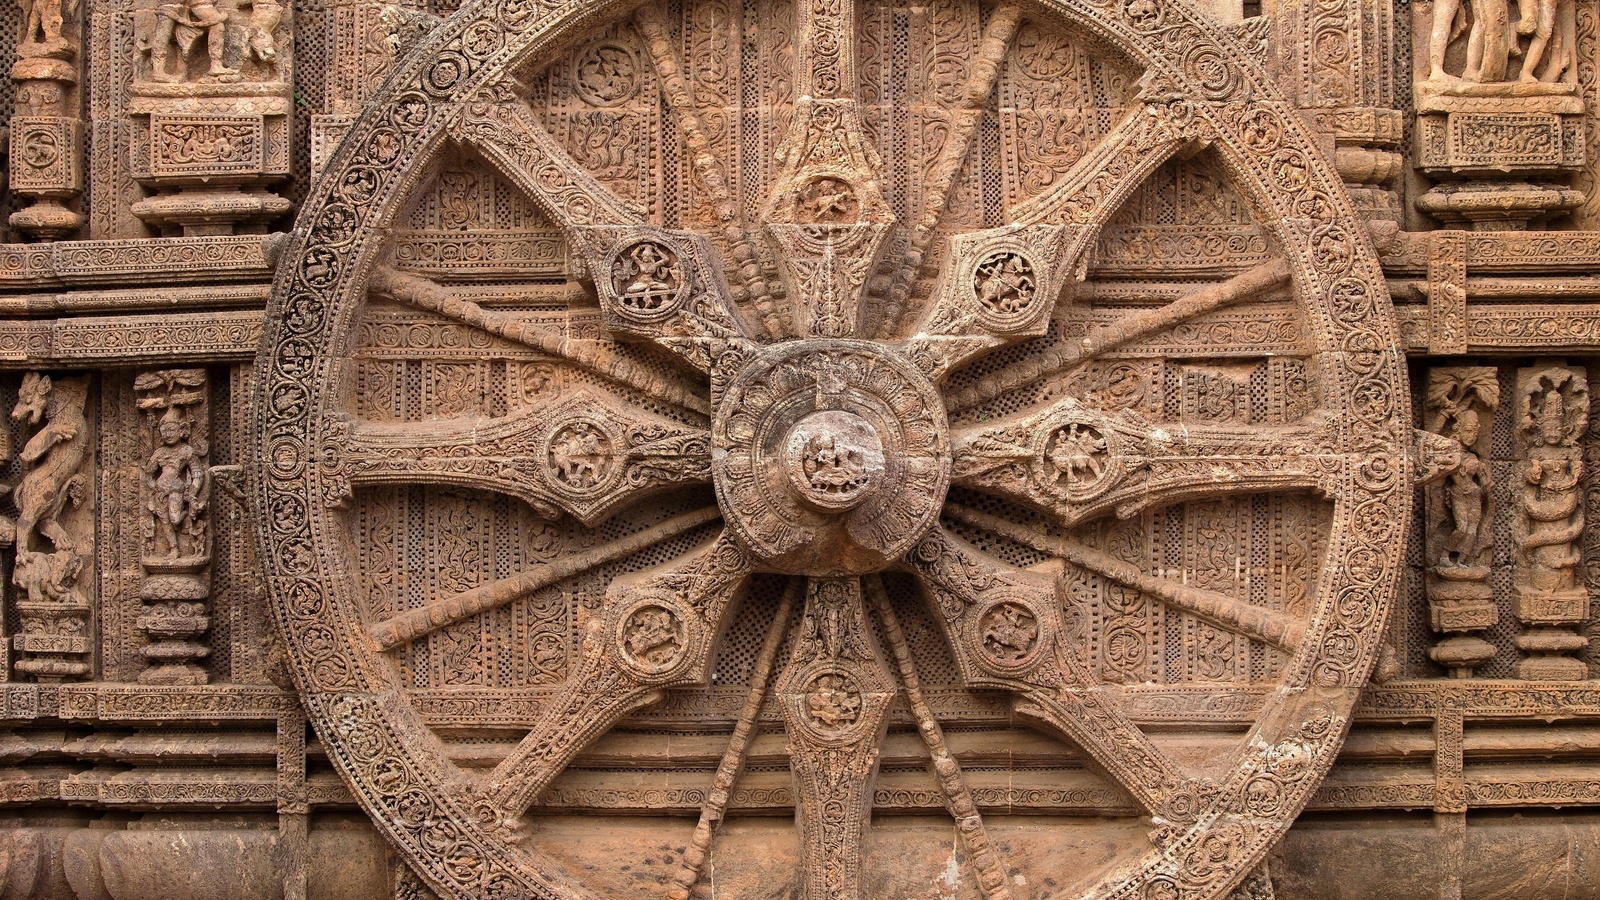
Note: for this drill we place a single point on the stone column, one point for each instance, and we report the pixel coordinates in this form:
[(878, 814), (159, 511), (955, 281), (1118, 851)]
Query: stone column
[(46, 131), (1337, 59), (177, 548)]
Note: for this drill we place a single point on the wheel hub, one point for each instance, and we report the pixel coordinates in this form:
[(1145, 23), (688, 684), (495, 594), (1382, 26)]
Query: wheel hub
[(831, 457)]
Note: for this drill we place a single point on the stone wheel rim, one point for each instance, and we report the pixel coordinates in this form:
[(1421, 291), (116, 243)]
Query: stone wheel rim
[(1209, 88)]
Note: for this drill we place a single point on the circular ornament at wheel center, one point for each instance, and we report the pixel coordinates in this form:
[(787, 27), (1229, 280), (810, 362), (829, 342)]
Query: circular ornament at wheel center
[(832, 456)]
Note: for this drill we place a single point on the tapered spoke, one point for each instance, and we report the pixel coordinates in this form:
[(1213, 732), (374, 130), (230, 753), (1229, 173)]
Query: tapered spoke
[(430, 296), (1077, 463), (1005, 627), (1096, 186), (958, 797), (584, 455), (999, 286), (655, 630), (509, 134), (1238, 616), (733, 759), (982, 74), (1251, 285), (827, 212), (836, 691), (751, 284), (652, 283), (415, 623)]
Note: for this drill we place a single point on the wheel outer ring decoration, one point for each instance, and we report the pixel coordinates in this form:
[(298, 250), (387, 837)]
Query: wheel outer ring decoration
[(380, 746)]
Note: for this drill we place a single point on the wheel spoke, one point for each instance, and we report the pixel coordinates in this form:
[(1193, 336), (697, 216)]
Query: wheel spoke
[(836, 692), (983, 74), (751, 285), (583, 456), (1247, 286), (1097, 184), (1257, 623), (509, 135), (744, 732), (655, 630), (416, 623), (1005, 627), (999, 286), (958, 797), (827, 212), (652, 283), (1077, 463), (430, 296)]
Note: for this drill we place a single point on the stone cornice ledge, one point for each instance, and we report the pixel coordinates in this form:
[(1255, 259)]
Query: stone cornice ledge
[(177, 260)]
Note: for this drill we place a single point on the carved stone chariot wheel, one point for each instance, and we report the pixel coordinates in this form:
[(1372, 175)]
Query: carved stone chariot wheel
[(832, 389)]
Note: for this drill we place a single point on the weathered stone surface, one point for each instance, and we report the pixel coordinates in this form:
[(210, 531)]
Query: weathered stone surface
[(799, 448)]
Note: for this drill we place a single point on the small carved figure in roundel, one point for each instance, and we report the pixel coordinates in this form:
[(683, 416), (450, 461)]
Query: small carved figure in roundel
[(1079, 455), (832, 701), (582, 456), (1010, 633), (647, 279), (834, 458), (654, 637), (606, 73), (827, 201), (1005, 285)]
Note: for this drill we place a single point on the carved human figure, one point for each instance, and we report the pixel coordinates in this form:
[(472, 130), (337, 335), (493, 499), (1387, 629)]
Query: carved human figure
[(180, 26), (42, 28), (651, 277), (175, 477), (1466, 492), (1550, 496), (1493, 41), (1078, 453), (581, 455), (1483, 39), (261, 31)]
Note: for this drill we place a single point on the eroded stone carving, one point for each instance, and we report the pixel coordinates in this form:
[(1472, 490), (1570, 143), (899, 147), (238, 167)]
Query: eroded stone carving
[(1461, 405), (54, 549), (1552, 414), (177, 558), (835, 436), (1048, 379)]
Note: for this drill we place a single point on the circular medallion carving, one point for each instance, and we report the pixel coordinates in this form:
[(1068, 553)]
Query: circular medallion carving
[(1007, 288), (653, 637), (648, 280), (1011, 635), (835, 457), (582, 456), (832, 702), (1078, 458), (606, 73)]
